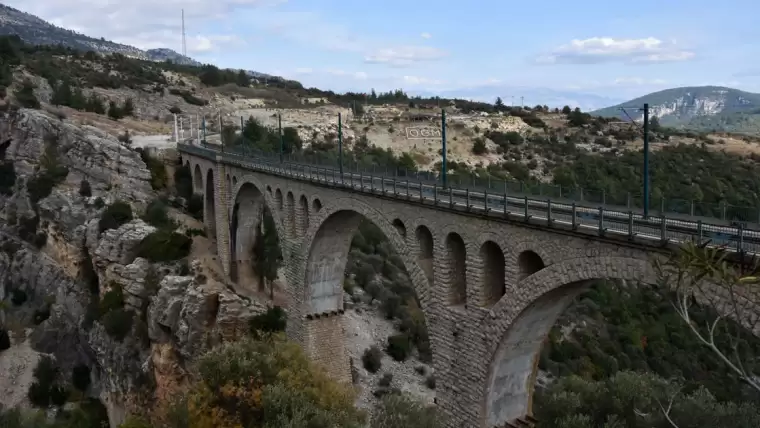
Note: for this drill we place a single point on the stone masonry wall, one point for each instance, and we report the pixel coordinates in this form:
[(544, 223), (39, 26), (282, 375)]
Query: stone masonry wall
[(481, 363)]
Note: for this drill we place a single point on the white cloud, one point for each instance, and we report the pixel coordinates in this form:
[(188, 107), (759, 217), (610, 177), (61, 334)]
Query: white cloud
[(404, 55), (145, 24), (606, 49), (421, 81), (426, 36)]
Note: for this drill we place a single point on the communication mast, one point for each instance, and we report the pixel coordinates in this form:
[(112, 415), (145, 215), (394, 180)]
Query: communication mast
[(184, 40)]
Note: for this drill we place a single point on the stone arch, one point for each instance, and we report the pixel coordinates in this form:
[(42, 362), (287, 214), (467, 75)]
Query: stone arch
[(187, 164), (528, 263), (317, 205), (304, 217), (197, 179), (456, 269), (330, 240), (257, 184), (209, 212), (400, 227), (290, 218), (493, 273), (522, 322), (248, 210), (278, 199), (234, 181), (425, 251), (269, 189)]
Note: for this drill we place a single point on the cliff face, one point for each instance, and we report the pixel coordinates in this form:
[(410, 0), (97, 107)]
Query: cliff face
[(65, 275)]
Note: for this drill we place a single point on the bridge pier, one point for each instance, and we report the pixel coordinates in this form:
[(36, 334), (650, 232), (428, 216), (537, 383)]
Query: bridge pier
[(221, 212), (325, 344)]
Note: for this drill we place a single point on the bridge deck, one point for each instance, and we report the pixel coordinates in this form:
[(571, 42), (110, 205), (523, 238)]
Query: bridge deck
[(603, 221)]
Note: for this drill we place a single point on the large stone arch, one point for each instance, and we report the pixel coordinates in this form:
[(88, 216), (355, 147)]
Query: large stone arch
[(247, 212), (209, 204), (522, 320), (197, 179), (269, 203), (329, 240)]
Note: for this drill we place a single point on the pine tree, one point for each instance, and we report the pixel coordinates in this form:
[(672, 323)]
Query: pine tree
[(62, 94), (129, 108)]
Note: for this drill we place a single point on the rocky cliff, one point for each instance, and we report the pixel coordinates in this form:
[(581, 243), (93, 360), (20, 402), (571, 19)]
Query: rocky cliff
[(65, 264)]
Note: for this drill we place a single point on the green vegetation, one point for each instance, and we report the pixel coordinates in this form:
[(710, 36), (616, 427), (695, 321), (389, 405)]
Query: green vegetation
[(51, 173), (638, 356), (115, 215), (47, 390), (267, 255)]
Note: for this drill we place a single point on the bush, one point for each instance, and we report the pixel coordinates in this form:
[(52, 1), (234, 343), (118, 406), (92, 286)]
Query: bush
[(372, 359), (386, 380), (403, 411), (5, 339), (117, 214), (84, 189), (164, 246), (157, 214), (25, 95), (274, 320), (112, 300), (158, 176), (118, 323), (45, 390), (399, 346), (479, 147)]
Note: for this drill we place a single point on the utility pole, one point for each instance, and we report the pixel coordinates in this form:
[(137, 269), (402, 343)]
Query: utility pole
[(522, 103), (340, 145), (282, 144), (443, 147), (646, 160)]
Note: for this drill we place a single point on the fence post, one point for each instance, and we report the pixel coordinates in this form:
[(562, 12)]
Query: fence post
[(574, 214), (485, 197), (527, 215), (630, 224), (663, 229), (601, 220), (549, 211), (467, 200)]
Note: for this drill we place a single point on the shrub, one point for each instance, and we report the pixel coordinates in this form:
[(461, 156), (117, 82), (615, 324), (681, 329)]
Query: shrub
[(157, 214), (45, 391), (112, 300), (164, 246), (5, 339), (403, 411), (118, 323), (372, 359), (386, 380), (158, 176), (117, 214), (80, 377), (25, 95), (399, 346), (274, 320), (479, 147), (430, 382), (84, 189)]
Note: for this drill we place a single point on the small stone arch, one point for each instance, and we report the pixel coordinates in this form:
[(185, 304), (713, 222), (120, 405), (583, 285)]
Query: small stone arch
[(493, 273), (257, 184), (278, 199), (197, 179), (317, 205), (290, 219), (528, 263), (248, 208), (400, 227), (425, 256), (304, 218), (522, 321), (269, 189), (455, 268), (234, 181), (209, 213)]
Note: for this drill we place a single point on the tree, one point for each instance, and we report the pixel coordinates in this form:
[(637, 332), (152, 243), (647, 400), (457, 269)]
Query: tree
[(129, 108), (62, 94), (114, 112), (654, 124), (266, 251), (566, 110), (243, 79), (499, 104), (479, 147)]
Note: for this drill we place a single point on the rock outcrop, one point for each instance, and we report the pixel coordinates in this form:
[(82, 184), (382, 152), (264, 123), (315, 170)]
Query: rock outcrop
[(65, 275)]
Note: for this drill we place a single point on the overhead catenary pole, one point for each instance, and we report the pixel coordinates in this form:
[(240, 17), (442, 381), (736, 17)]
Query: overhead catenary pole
[(340, 145), (646, 160), (443, 147), (279, 130)]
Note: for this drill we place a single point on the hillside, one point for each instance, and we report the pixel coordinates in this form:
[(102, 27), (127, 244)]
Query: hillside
[(707, 108), (36, 31)]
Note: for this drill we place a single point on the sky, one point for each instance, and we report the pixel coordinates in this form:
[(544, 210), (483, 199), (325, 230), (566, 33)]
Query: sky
[(590, 49)]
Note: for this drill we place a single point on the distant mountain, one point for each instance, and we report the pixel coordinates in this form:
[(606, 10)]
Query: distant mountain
[(697, 107), (531, 96), (36, 31)]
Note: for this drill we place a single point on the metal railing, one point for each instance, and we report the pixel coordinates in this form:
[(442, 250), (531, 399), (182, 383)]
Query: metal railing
[(549, 212)]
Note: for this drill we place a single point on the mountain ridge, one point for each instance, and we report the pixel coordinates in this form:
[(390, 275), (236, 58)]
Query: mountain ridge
[(717, 108)]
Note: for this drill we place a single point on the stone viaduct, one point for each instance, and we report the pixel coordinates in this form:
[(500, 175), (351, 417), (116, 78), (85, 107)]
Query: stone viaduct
[(490, 289)]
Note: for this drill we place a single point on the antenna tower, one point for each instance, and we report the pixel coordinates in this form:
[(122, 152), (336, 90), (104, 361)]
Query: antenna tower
[(184, 40)]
